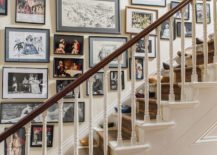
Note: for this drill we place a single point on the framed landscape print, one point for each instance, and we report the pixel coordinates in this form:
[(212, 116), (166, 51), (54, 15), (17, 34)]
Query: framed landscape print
[(27, 45), (137, 19), (97, 84), (114, 80), (68, 44), (3, 7), (199, 13), (187, 29), (36, 135), (101, 47), (165, 30), (149, 2), (25, 83), (173, 4), (93, 16), (138, 68), (30, 11), (60, 84)]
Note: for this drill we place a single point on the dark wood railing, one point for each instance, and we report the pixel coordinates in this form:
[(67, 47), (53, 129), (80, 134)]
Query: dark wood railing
[(90, 72)]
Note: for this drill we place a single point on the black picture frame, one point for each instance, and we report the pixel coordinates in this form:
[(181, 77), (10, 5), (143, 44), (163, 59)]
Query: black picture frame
[(97, 85), (178, 14), (188, 29), (149, 3), (114, 80), (4, 7), (27, 45), (199, 13), (141, 73), (163, 27), (84, 23), (60, 84)]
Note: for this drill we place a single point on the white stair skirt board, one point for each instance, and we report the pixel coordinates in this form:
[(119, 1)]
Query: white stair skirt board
[(153, 125), (187, 104)]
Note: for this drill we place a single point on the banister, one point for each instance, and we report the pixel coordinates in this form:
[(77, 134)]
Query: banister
[(90, 72)]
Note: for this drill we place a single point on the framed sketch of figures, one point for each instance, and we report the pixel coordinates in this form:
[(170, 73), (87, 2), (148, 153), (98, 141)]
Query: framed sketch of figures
[(97, 84), (138, 68), (25, 83), (27, 45), (165, 30), (137, 19), (149, 2), (68, 44), (199, 13), (30, 11), (173, 4), (36, 135), (93, 16), (60, 84), (187, 29), (140, 47), (114, 80), (3, 7), (101, 47)]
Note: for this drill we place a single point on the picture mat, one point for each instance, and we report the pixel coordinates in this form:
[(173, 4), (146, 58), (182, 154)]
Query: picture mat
[(150, 2)]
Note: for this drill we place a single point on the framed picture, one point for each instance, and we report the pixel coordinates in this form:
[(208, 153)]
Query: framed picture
[(97, 84), (91, 16), (27, 45), (140, 47), (165, 30), (101, 47), (114, 80), (31, 11), (137, 19), (173, 4), (199, 13), (68, 44), (25, 83), (3, 7), (18, 143), (36, 135), (149, 2), (60, 84), (138, 67), (68, 67), (187, 29)]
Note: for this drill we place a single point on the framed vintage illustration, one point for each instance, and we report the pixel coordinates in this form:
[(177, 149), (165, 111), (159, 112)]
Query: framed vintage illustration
[(30, 11), (101, 47), (137, 19), (187, 29), (138, 67), (199, 13), (140, 47), (25, 83), (60, 84), (149, 2), (68, 67), (165, 30), (27, 45), (97, 84), (3, 7), (36, 135), (114, 80), (91, 16), (68, 44), (173, 4)]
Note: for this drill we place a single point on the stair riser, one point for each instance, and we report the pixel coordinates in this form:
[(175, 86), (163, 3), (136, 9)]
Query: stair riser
[(188, 74)]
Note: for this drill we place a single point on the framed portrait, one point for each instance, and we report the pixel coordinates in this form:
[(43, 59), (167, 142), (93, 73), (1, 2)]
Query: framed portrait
[(97, 84), (173, 4), (18, 143), (36, 135), (199, 13), (149, 2), (101, 47), (3, 7), (27, 45), (138, 68), (30, 11), (25, 83), (68, 44), (137, 19), (140, 47), (91, 16), (60, 84), (114, 80), (68, 67), (165, 30), (187, 29)]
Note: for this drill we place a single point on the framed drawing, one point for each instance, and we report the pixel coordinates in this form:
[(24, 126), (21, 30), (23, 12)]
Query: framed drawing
[(3, 7), (199, 13), (101, 47), (68, 44), (165, 30), (25, 83), (31, 11), (97, 84), (149, 2), (114, 80), (36, 135), (91, 16), (140, 47), (27, 45), (187, 29), (137, 19), (68, 67), (173, 4), (60, 84), (138, 67)]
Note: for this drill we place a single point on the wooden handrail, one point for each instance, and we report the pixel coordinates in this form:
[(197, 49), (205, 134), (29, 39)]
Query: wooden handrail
[(90, 72)]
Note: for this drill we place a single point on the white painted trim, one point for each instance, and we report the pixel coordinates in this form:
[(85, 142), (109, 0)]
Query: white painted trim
[(187, 104), (153, 125)]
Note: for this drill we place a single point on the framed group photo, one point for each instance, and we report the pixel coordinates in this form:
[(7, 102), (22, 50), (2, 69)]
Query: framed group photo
[(3, 7), (138, 68), (173, 4), (114, 80), (60, 84), (187, 29), (199, 13), (149, 2), (97, 84), (91, 16), (165, 30), (27, 45)]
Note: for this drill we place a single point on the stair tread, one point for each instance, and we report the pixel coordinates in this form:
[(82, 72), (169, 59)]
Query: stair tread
[(112, 135)]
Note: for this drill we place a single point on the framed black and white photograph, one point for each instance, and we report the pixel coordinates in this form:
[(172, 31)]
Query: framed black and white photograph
[(138, 68), (149, 2), (25, 83), (68, 67), (97, 84), (27, 45), (137, 19), (68, 44), (60, 84), (165, 30), (3, 7), (91, 16), (199, 13), (173, 4), (30, 11), (101, 47), (140, 47), (187, 29), (36, 135), (114, 80)]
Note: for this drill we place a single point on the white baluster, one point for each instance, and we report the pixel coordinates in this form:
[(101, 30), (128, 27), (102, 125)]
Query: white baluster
[(215, 32), (171, 95), (60, 126), (205, 46), (44, 134), (9, 148), (27, 146), (76, 121)]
